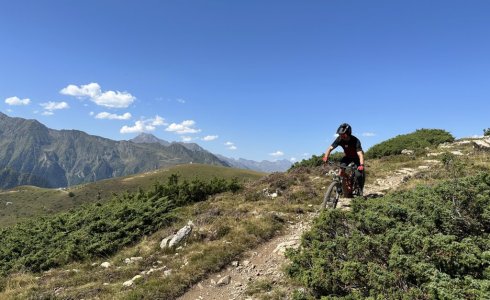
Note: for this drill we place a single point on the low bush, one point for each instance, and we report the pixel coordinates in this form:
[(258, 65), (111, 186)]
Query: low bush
[(99, 229), (428, 243), (416, 141)]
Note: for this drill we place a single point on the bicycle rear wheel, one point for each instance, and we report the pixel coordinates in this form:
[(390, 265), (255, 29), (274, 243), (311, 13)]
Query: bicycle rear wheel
[(331, 196)]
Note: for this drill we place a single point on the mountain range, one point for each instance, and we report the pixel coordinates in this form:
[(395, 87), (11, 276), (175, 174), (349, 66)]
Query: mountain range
[(33, 154), (240, 163)]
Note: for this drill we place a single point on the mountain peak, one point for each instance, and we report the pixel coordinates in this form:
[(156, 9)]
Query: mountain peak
[(148, 138)]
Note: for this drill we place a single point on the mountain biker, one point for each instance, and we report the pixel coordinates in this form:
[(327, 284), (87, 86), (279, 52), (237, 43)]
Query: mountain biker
[(353, 153)]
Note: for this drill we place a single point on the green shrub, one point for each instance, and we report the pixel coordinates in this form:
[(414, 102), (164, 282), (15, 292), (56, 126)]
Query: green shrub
[(428, 243), (316, 160), (486, 132), (99, 229), (416, 141)]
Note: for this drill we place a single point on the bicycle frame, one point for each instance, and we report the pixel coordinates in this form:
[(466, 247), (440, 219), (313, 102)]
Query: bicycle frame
[(347, 177), (344, 177)]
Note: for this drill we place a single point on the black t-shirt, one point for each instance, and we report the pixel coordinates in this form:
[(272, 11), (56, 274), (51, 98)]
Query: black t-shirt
[(351, 147)]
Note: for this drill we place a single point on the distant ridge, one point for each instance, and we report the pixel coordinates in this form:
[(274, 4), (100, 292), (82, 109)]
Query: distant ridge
[(262, 166), (241, 163), (32, 154)]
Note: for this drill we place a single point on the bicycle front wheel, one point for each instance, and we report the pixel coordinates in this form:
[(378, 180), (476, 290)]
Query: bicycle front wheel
[(331, 196)]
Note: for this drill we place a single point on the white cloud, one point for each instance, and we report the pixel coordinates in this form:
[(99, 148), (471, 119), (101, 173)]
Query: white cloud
[(306, 154), (368, 134), (230, 146), (139, 126), (209, 138), (93, 91), (114, 99), (181, 100), (293, 159), (17, 101), (90, 90), (277, 153), (187, 139), (158, 121), (185, 127), (144, 125), (50, 106), (109, 116)]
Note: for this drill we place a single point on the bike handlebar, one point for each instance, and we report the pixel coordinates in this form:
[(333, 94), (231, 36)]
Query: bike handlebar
[(352, 165)]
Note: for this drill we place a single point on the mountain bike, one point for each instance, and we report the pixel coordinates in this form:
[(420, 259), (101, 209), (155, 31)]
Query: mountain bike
[(335, 189)]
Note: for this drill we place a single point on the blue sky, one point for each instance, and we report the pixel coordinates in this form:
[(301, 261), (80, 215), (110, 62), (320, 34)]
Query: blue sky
[(252, 79)]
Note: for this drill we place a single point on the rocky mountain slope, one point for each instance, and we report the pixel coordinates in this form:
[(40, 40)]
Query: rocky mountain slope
[(32, 154)]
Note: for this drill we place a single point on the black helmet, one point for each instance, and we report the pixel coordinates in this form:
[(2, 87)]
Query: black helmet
[(344, 128)]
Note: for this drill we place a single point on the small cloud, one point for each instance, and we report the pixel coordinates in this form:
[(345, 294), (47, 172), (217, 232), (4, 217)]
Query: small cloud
[(187, 139), (139, 126), (368, 134), (292, 159), (54, 105), (90, 90), (17, 101), (306, 154), (186, 127), (158, 121), (93, 91), (230, 146), (50, 107), (209, 138), (277, 153), (109, 116), (143, 125), (181, 101)]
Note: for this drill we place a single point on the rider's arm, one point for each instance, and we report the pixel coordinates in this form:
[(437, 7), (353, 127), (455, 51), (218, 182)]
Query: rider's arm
[(327, 153), (361, 157)]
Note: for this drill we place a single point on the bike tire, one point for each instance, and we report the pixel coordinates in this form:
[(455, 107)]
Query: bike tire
[(332, 196)]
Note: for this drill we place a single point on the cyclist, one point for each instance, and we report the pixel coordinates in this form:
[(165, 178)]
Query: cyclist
[(353, 153)]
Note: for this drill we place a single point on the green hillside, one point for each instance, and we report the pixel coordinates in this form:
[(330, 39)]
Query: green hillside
[(30, 201)]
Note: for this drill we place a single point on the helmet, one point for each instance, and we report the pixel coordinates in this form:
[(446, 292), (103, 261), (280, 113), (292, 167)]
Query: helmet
[(344, 128)]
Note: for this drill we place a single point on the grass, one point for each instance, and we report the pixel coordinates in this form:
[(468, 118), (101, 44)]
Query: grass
[(29, 201)]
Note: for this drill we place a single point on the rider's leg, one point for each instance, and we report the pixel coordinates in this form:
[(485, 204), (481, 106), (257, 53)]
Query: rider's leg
[(346, 181), (361, 177)]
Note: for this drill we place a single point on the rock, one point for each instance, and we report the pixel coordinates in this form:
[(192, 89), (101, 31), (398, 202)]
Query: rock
[(281, 248), (175, 239), (137, 277), (224, 281), (105, 264), (128, 283), (407, 152), (164, 243), (180, 235)]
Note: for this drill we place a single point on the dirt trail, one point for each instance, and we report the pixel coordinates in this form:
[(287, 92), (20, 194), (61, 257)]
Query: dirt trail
[(265, 263)]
